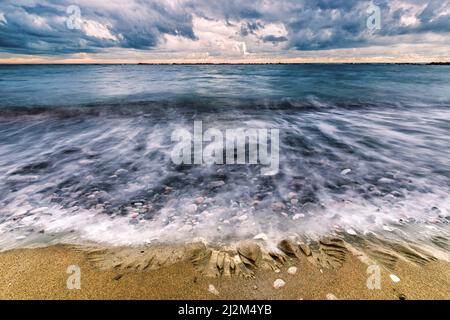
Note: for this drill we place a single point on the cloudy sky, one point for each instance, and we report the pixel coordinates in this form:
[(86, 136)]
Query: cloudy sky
[(65, 31)]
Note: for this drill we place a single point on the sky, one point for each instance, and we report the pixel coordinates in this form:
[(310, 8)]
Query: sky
[(244, 31)]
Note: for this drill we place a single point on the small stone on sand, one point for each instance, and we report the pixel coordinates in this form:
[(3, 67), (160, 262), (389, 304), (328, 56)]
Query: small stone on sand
[(213, 290), (394, 278), (331, 296), (346, 171), (277, 284), (292, 270)]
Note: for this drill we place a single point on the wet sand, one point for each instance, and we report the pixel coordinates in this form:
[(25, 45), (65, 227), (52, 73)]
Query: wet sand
[(41, 274)]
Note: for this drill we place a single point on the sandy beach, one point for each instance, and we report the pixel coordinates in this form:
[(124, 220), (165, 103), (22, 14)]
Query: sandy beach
[(42, 274)]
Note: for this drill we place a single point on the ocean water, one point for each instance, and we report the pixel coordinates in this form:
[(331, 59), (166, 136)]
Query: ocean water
[(85, 153)]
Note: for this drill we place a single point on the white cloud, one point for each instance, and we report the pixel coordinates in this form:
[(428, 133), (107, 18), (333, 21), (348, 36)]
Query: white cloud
[(238, 29), (222, 38), (3, 18), (272, 29), (97, 30), (213, 36)]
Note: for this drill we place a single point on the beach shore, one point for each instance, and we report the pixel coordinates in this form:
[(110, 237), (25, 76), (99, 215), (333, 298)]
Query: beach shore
[(41, 273)]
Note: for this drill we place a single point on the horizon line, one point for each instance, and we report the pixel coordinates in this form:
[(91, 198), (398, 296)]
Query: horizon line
[(224, 63)]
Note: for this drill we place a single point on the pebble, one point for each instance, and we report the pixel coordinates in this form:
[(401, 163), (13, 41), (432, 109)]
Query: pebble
[(394, 278), (216, 184), (351, 232), (436, 210), (277, 206), (168, 189), (346, 171), (292, 195), (199, 200), (331, 296), (298, 216), (279, 283), (213, 290), (292, 270), (294, 201), (120, 172), (260, 236), (243, 217), (134, 215), (386, 180), (20, 237), (192, 208)]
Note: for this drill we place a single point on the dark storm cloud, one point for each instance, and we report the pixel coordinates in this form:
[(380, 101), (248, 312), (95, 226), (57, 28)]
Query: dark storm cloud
[(274, 39), (39, 26)]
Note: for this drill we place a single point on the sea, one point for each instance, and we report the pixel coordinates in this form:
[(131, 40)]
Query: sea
[(86, 153)]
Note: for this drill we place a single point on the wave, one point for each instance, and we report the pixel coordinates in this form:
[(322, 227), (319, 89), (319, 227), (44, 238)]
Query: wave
[(103, 173)]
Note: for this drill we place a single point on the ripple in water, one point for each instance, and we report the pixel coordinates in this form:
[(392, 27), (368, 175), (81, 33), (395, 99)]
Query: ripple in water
[(109, 178)]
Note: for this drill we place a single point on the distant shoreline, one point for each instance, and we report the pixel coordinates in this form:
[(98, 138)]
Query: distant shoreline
[(234, 63)]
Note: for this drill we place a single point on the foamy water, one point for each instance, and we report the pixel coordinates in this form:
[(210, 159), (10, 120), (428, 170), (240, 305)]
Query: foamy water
[(355, 157)]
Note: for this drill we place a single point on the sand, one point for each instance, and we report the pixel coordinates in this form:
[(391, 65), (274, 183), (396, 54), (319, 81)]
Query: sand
[(41, 274)]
